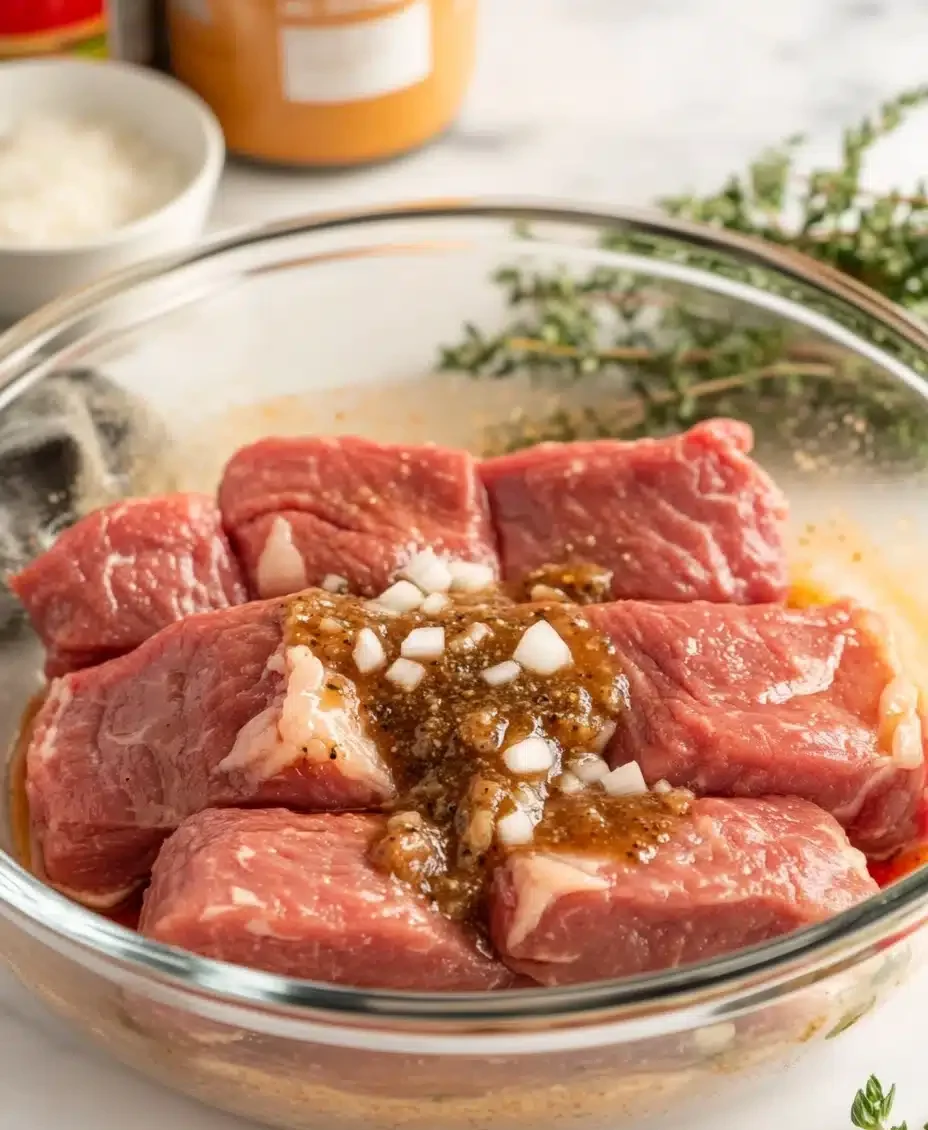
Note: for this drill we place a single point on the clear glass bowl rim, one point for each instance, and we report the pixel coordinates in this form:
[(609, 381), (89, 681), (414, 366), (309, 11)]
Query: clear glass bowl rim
[(811, 953)]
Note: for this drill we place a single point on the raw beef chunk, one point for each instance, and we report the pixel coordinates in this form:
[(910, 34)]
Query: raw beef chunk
[(689, 517), (733, 873), (295, 894), (124, 572), (299, 510), (770, 700), (212, 711)]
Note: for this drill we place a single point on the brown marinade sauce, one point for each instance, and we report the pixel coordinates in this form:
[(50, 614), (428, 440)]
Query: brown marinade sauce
[(578, 582), (445, 740), (626, 828)]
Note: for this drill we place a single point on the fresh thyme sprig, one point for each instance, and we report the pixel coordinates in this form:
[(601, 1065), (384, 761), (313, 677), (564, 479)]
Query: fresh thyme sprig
[(873, 1106), (882, 240), (662, 365)]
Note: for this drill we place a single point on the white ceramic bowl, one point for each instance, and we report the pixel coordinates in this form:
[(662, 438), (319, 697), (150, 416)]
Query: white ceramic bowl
[(151, 106)]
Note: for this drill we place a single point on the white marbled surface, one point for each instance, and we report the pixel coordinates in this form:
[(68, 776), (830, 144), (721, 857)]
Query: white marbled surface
[(613, 103)]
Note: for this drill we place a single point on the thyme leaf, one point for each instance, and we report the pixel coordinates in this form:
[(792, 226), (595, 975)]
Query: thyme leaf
[(662, 365), (872, 1107)]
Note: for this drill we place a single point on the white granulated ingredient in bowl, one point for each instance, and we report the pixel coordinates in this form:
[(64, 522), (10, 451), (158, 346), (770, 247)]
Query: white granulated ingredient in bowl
[(66, 180)]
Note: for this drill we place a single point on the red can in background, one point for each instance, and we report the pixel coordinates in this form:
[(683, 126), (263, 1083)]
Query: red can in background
[(99, 29)]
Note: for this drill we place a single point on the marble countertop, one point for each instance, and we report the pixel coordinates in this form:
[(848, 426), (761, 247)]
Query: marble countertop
[(610, 103)]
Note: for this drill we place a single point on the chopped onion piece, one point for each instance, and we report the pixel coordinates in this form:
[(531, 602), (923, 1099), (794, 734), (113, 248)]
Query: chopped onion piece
[(604, 737), (542, 650), (330, 625), (531, 755), (473, 637), (435, 602), (662, 787), (502, 673), (428, 572), (627, 780), (405, 821), (379, 610), (424, 643), (404, 596), (546, 592), (515, 828), (470, 576), (569, 784), (589, 768), (332, 582), (368, 653), (405, 673)]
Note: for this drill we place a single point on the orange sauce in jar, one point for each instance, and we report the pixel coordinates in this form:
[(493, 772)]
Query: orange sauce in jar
[(326, 82)]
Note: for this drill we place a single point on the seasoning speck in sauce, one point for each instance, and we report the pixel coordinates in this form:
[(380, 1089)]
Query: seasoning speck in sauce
[(446, 739)]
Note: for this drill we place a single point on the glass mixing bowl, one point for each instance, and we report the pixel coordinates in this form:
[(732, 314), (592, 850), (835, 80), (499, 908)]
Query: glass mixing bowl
[(334, 324)]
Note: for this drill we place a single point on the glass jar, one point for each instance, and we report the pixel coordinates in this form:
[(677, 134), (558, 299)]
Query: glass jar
[(326, 82)]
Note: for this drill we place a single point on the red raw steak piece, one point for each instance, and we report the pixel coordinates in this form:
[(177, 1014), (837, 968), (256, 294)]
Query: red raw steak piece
[(298, 510), (689, 517), (210, 712), (296, 895), (764, 700), (124, 572), (733, 873)]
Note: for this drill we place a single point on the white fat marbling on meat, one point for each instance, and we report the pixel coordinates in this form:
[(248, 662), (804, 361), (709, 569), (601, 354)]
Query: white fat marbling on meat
[(883, 777), (538, 881), (280, 567), (195, 595), (241, 896), (238, 897), (900, 728), (314, 715), (216, 910), (113, 562), (813, 676), (900, 723), (95, 900), (59, 698)]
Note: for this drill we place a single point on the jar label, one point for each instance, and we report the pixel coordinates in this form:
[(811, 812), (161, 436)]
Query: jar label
[(338, 63)]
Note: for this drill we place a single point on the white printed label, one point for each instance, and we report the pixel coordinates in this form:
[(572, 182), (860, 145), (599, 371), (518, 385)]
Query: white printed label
[(357, 61)]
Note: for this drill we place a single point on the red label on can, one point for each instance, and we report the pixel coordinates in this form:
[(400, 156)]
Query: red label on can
[(33, 17)]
